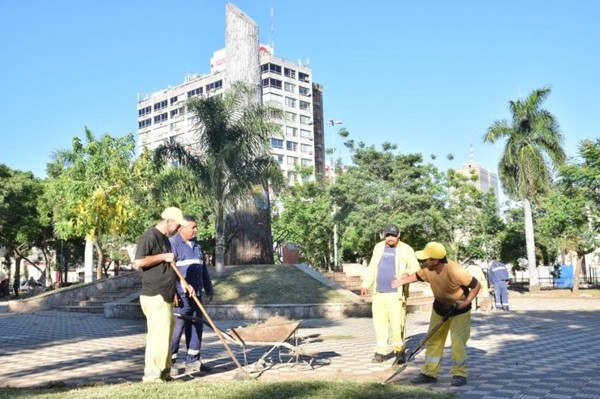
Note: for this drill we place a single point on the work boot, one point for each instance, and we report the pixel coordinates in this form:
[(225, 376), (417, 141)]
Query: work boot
[(193, 367), (165, 375), (423, 379), (458, 381), (378, 358), (196, 366)]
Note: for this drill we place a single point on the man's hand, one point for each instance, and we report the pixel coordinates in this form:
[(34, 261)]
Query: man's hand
[(462, 304), (169, 257), (190, 290), (364, 291), (209, 297), (397, 282)]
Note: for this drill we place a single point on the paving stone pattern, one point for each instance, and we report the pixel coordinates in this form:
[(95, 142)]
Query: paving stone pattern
[(542, 348)]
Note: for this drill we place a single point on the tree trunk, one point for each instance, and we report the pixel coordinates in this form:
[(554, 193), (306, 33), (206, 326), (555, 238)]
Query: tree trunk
[(578, 266), (220, 242), (17, 279), (249, 229), (534, 282), (100, 265)]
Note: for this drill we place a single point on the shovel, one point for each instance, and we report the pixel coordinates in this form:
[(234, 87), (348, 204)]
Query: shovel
[(409, 355)]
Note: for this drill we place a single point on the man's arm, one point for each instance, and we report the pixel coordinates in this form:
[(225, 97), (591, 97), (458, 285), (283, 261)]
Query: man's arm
[(404, 279), (475, 286), (369, 276), (153, 260)]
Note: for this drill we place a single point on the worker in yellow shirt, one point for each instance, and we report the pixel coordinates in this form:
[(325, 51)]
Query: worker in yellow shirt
[(391, 258)]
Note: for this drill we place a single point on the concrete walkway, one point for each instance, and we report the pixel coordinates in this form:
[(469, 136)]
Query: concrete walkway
[(542, 348)]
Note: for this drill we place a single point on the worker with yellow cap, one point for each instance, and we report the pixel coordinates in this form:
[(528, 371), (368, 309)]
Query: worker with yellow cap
[(453, 288)]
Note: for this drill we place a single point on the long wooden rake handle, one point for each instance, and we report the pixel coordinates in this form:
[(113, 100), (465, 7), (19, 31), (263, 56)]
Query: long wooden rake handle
[(210, 322), (421, 344)]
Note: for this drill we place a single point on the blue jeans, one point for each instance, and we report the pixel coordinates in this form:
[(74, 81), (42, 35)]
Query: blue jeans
[(501, 294), (192, 329)]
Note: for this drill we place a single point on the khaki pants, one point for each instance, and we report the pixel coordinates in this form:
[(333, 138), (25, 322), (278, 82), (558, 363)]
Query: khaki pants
[(388, 312), (160, 321), (460, 331)]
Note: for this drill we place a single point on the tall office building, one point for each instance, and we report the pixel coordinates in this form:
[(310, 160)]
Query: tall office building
[(162, 116), (485, 180)]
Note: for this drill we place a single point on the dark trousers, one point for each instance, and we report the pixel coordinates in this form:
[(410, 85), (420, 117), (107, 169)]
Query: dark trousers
[(192, 329), (501, 294)]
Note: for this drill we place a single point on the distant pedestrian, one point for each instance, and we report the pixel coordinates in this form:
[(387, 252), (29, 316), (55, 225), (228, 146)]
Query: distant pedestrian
[(482, 301), (498, 275), (4, 288), (391, 258), (32, 284)]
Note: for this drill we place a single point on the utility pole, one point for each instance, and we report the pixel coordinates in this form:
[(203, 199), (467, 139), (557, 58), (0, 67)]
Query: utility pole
[(333, 122)]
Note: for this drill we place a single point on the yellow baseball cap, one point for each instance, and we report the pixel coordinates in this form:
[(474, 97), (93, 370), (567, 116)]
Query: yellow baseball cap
[(433, 250)]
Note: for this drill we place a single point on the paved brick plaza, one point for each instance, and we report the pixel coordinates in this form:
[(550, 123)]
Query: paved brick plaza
[(543, 348)]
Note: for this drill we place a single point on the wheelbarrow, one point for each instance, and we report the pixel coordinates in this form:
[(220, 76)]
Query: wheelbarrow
[(282, 334), (275, 335)]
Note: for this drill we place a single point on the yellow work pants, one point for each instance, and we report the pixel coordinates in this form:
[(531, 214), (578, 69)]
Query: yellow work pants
[(388, 313), (460, 331), (160, 321)]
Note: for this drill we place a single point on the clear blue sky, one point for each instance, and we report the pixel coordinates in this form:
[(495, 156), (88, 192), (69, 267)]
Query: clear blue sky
[(430, 76)]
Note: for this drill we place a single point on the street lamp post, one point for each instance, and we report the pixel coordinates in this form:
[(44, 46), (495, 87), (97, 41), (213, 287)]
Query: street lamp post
[(333, 122)]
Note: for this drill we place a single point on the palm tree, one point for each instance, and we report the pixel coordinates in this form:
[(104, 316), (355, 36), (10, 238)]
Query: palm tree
[(228, 154), (533, 148)]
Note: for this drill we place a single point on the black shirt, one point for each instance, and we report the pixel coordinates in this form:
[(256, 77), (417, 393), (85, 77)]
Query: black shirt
[(160, 278)]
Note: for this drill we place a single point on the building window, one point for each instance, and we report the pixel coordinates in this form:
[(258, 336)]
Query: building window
[(305, 91), (306, 162), (307, 149), (305, 120), (160, 105), (290, 87), (277, 143), (144, 111), (195, 93), (280, 159), (303, 77), (173, 100), (304, 105), (305, 134), (289, 73), (269, 67), (271, 82), (290, 102), (214, 86), (176, 112), (292, 146), (291, 131), (145, 123), (291, 161), (161, 118), (291, 116)]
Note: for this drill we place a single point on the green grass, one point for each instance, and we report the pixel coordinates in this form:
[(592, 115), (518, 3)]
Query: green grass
[(317, 389), (271, 284)]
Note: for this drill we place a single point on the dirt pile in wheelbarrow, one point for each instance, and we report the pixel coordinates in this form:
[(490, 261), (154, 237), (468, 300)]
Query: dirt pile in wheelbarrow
[(274, 329)]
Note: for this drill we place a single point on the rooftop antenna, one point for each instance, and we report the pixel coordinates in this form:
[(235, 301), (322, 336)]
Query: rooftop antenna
[(471, 154), (272, 32)]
